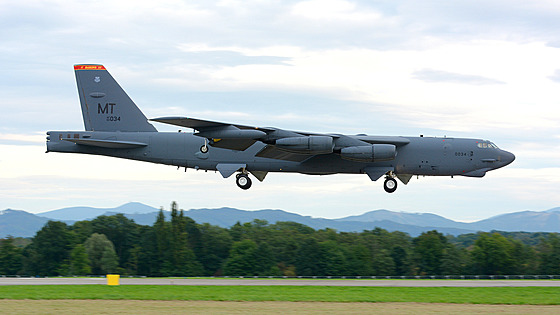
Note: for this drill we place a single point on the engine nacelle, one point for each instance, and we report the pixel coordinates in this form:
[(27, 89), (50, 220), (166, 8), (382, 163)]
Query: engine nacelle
[(370, 153), (310, 144)]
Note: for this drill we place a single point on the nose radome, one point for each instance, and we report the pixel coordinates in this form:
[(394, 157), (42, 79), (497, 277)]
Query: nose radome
[(507, 157)]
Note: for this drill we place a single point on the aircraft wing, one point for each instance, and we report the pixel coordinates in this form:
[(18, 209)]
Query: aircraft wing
[(224, 135), (289, 145), (200, 125), (272, 152), (398, 141)]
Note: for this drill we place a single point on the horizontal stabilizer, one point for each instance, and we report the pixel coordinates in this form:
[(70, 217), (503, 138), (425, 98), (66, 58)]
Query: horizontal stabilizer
[(111, 144)]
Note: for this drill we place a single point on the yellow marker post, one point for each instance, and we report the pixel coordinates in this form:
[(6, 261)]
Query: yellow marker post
[(113, 279)]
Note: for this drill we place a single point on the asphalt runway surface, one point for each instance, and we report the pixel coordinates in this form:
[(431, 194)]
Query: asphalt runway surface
[(290, 282)]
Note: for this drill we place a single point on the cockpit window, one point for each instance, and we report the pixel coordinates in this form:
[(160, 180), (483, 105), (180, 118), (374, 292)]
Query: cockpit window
[(487, 145)]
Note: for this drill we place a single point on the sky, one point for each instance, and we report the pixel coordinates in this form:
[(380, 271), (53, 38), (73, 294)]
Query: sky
[(465, 68)]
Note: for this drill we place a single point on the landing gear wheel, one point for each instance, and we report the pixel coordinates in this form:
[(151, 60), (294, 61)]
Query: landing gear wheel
[(243, 181), (204, 149), (390, 185)]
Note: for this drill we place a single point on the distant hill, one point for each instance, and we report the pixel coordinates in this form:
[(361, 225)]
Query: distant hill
[(21, 223), (85, 213), (226, 217), (416, 219), (527, 221)]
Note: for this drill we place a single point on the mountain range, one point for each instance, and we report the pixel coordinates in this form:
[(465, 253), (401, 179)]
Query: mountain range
[(24, 224)]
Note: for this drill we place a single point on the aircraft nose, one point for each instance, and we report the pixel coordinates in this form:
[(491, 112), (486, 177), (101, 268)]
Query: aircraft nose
[(507, 157)]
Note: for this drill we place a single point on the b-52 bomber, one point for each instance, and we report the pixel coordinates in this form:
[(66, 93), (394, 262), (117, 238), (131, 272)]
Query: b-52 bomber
[(115, 126)]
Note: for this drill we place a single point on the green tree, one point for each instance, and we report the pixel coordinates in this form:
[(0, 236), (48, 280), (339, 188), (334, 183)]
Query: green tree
[(401, 261), (264, 262), (162, 234), (429, 250), (454, 261), (389, 251), (358, 262), (182, 256), (492, 255), (524, 257), (332, 261), (243, 259), (549, 255), (307, 257), (79, 261), (49, 252), (101, 253), (216, 244), (121, 231), (10, 257), (109, 260), (284, 239), (382, 262), (237, 232), (82, 230), (145, 256)]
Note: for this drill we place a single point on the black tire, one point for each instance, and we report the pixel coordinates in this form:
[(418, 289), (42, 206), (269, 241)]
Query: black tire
[(243, 181), (390, 185)]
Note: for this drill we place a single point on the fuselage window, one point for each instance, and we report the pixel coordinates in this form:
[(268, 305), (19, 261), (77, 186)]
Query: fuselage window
[(487, 145)]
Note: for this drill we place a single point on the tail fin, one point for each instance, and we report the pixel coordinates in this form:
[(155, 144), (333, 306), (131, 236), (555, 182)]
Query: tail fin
[(105, 105)]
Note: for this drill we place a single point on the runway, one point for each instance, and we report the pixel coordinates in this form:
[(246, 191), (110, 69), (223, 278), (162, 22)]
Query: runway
[(284, 282)]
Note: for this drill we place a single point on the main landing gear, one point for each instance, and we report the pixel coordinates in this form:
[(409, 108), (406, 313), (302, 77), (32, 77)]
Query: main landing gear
[(243, 181), (390, 184)]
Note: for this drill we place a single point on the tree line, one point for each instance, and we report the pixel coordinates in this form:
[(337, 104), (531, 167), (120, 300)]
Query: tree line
[(182, 247)]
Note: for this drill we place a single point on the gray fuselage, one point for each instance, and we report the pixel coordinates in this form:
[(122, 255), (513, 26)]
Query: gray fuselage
[(421, 156)]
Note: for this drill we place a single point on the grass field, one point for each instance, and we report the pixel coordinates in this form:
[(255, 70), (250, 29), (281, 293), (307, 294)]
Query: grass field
[(462, 295), (61, 307)]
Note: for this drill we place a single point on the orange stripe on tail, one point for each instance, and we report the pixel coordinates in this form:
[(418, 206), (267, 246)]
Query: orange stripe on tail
[(89, 67)]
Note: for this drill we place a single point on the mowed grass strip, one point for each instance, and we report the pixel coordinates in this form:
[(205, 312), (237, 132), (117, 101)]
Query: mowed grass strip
[(494, 295)]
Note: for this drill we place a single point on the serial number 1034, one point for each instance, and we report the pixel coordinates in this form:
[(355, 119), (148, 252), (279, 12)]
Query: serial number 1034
[(113, 118)]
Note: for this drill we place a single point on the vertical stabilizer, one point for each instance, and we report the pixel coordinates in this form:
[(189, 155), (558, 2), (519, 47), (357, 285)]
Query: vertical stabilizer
[(105, 105)]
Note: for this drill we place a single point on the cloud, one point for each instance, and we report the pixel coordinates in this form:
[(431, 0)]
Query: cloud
[(429, 75), (22, 139), (230, 58), (469, 68), (334, 10), (555, 77), (226, 56), (554, 43)]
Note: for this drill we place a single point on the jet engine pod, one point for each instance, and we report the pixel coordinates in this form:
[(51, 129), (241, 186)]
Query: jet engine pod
[(370, 153), (310, 144)]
